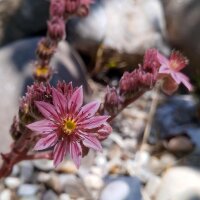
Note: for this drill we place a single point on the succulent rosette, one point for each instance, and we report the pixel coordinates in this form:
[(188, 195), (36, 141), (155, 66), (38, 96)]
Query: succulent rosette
[(69, 127)]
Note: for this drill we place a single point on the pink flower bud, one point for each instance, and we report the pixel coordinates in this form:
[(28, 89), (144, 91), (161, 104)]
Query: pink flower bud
[(57, 8), (56, 29)]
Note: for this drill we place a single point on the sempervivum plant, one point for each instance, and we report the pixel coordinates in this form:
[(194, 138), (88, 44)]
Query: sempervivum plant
[(68, 127)]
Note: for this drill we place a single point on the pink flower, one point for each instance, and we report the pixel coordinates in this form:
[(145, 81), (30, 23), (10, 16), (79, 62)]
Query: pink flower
[(68, 127), (172, 66)]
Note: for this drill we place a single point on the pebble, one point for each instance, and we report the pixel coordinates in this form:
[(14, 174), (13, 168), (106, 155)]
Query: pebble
[(64, 197), (6, 195), (27, 170), (12, 182), (43, 177), (127, 188), (27, 190), (67, 167), (179, 183), (49, 195), (44, 165), (93, 181), (152, 186)]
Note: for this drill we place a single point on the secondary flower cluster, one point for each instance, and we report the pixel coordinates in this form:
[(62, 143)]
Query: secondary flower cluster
[(60, 10), (67, 126), (155, 68)]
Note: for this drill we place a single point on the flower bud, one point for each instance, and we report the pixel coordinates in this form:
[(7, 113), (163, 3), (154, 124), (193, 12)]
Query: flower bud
[(56, 29), (71, 6), (57, 8)]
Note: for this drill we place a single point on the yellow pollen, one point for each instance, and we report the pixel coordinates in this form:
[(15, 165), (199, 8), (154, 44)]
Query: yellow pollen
[(69, 126), (42, 71)]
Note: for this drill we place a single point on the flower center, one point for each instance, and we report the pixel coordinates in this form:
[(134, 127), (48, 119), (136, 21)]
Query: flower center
[(174, 65), (69, 126)]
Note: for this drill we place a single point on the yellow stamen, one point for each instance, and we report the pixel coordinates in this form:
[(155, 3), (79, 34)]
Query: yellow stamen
[(69, 126), (42, 71)]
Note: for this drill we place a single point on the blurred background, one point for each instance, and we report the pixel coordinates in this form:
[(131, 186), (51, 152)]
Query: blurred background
[(98, 49)]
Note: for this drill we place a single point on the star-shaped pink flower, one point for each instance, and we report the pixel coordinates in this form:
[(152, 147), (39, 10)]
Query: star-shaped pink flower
[(68, 127), (172, 66)]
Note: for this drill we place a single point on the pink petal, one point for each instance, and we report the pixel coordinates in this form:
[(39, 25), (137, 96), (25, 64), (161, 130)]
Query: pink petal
[(92, 142), (43, 126), (164, 69), (60, 152), (76, 153), (163, 60), (185, 80), (176, 77), (46, 142), (47, 110), (88, 110), (76, 100), (59, 101), (93, 122)]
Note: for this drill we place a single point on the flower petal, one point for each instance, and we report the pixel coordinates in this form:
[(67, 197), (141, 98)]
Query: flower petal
[(163, 60), (76, 100), (76, 153), (185, 80), (46, 142), (164, 69), (59, 101), (60, 152), (47, 110), (43, 126), (93, 122), (88, 110), (92, 142), (176, 77)]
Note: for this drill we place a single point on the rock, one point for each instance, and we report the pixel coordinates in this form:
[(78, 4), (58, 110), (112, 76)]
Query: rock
[(6, 195), (179, 183), (93, 181), (142, 29), (180, 144), (44, 165), (43, 177), (27, 190), (21, 20), (15, 170), (54, 183), (27, 170), (49, 195), (15, 75), (186, 38), (73, 186), (152, 186), (67, 167), (12, 182), (126, 188), (64, 197)]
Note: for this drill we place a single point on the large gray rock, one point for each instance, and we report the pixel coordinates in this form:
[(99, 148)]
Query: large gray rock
[(179, 183), (22, 18), (15, 74), (127, 27), (183, 21)]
